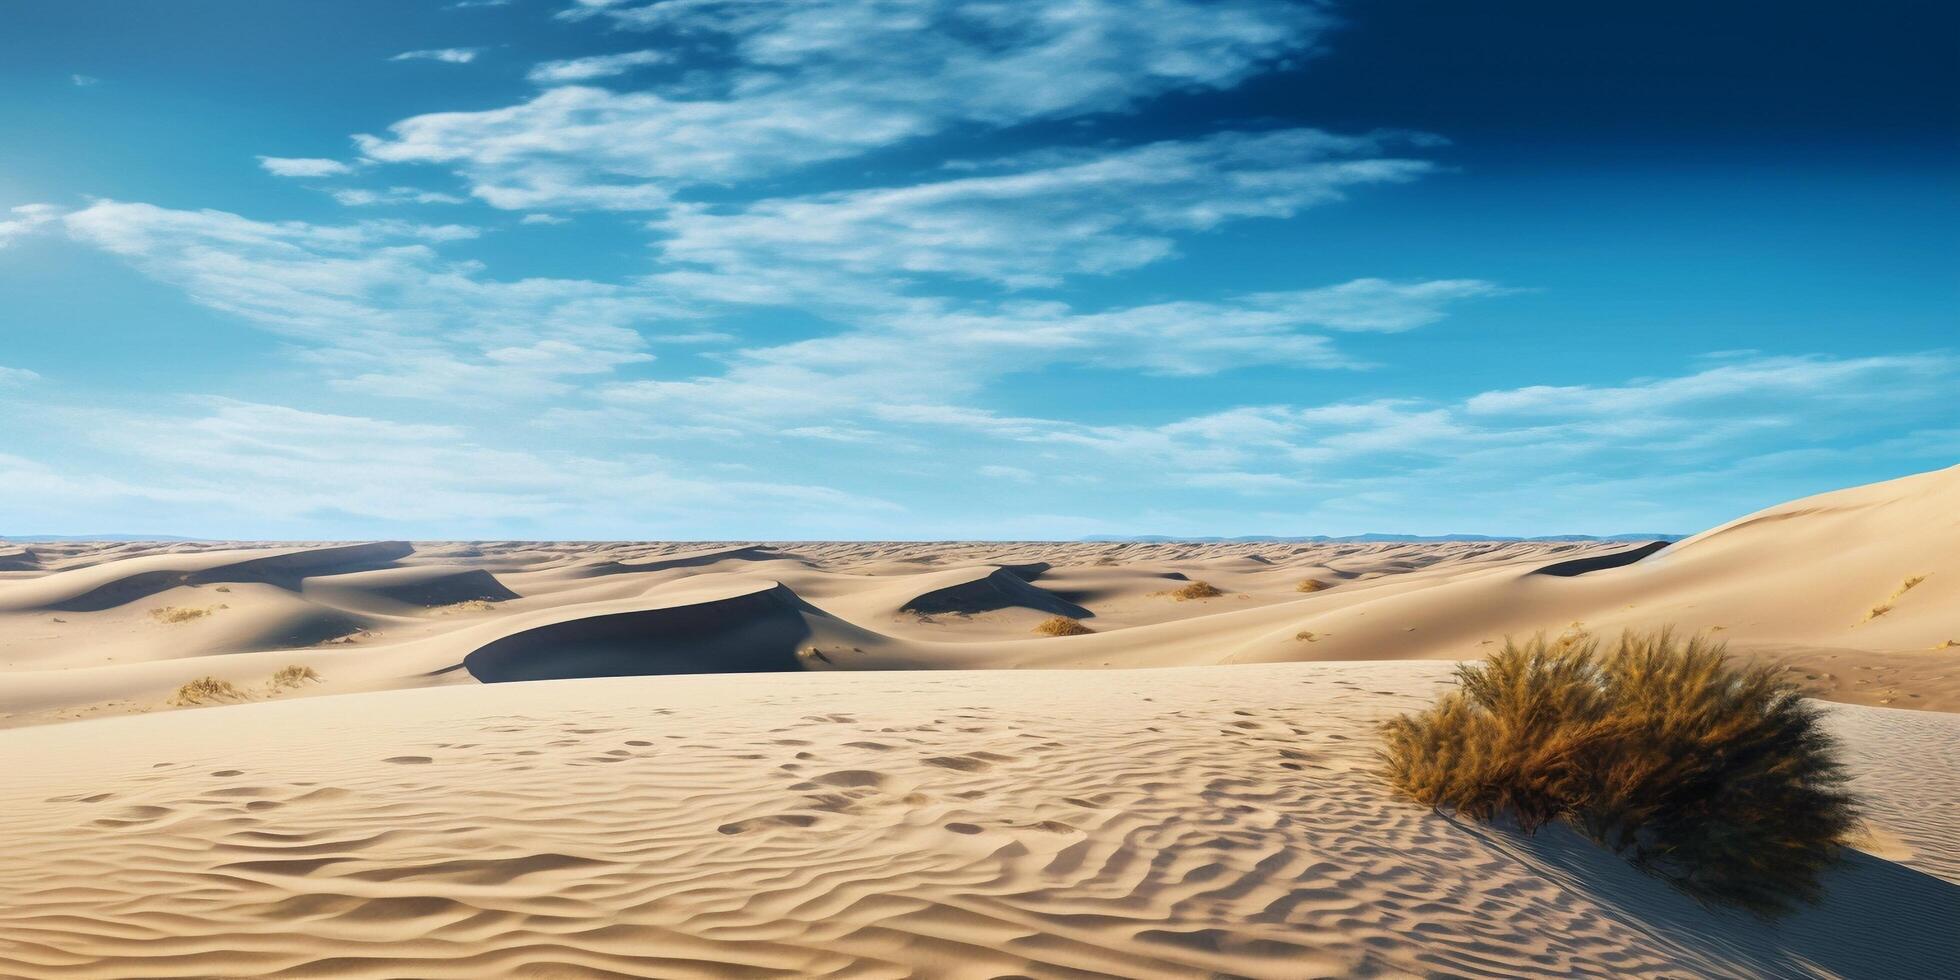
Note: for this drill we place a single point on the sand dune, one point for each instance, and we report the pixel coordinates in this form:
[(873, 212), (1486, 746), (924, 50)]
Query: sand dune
[(1856, 589), (968, 824)]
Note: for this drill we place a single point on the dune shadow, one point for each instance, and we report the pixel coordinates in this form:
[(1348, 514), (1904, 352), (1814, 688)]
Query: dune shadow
[(283, 571), (1878, 919), (1595, 563), (751, 633)]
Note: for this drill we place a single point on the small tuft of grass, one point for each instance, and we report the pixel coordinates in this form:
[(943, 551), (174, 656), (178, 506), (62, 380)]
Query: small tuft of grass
[(1196, 590), (1947, 644), (466, 606), (224, 588), (293, 675), (1062, 626), (207, 690), (1718, 778), (1306, 636), (1313, 585), (179, 614), (1886, 606)]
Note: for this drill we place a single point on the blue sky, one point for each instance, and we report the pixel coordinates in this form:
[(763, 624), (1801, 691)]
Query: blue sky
[(921, 268)]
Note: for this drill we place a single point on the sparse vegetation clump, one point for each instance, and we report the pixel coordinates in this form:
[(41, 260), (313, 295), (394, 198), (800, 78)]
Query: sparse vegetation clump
[(466, 606), (1886, 606), (1196, 590), (1062, 626), (1717, 777), (292, 675), (179, 614), (207, 690), (1313, 585)]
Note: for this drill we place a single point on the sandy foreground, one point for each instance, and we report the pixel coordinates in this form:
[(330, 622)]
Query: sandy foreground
[(853, 783), (968, 824)]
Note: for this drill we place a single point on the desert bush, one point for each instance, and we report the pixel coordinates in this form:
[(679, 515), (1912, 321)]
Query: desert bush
[(1313, 585), (292, 675), (178, 614), (1716, 777), (1196, 590), (206, 690), (1062, 626)]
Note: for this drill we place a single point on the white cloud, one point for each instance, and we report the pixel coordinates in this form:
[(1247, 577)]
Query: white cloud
[(362, 197), (13, 377), (377, 306), (279, 466), (595, 66), (819, 80), (542, 219), (27, 219), (84, 81), (1032, 224), (303, 167), (914, 365), (453, 56), (1771, 378)]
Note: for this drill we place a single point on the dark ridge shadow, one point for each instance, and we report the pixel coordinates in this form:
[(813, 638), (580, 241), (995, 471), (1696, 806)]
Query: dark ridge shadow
[(1594, 563), (449, 589), (694, 560), (999, 589), (283, 571), (1878, 919), (754, 633)]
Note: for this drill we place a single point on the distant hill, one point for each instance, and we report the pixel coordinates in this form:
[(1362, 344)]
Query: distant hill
[(1367, 538), (51, 538)]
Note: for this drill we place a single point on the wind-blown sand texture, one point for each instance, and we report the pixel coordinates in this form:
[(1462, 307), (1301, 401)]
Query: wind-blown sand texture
[(805, 817), (967, 824)]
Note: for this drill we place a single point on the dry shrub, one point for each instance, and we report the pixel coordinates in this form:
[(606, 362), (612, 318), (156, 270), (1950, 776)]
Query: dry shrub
[(1306, 635), (207, 690), (178, 614), (293, 675), (1062, 626), (1313, 585), (1196, 590), (1717, 777), (1886, 606), (466, 606)]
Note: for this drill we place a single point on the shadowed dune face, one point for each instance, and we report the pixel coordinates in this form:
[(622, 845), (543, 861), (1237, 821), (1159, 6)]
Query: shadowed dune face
[(754, 632)]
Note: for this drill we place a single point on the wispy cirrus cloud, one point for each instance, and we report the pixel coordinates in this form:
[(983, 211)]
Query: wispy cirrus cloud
[(1029, 222), (827, 79), (379, 308), (280, 468), (26, 219), (596, 66), (453, 56), (917, 364), (303, 167)]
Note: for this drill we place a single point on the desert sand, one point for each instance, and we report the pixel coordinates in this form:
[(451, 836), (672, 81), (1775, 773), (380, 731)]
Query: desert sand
[(811, 810)]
